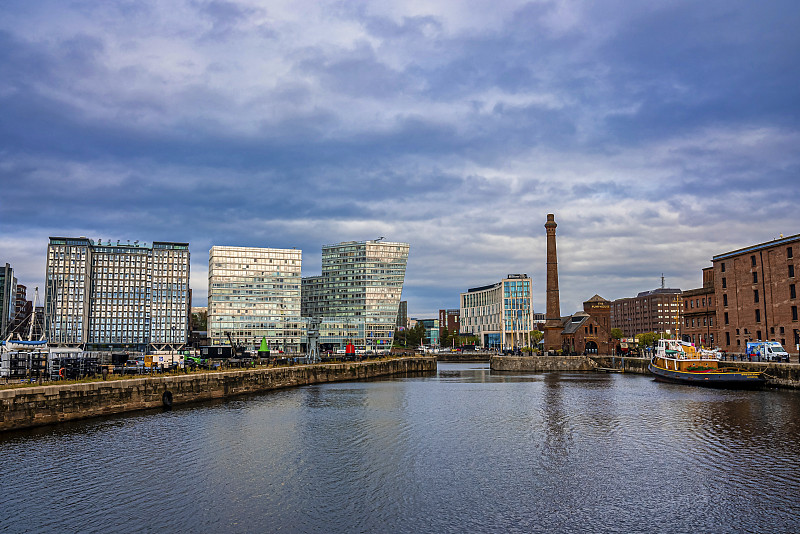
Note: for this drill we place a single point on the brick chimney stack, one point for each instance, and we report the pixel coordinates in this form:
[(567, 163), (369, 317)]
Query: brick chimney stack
[(552, 325)]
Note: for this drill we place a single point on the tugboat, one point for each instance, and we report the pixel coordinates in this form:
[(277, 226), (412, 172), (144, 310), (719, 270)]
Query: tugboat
[(679, 361)]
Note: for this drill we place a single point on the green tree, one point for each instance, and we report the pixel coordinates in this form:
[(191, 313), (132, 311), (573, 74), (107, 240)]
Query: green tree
[(445, 337), (399, 337), (648, 339), (536, 337), (616, 333), (415, 336), (200, 321)]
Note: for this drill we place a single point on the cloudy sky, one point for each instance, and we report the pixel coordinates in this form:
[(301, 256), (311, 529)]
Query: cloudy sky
[(658, 133)]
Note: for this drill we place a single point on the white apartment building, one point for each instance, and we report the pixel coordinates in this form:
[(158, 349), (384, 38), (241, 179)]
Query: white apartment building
[(254, 293), (500, 315), (360, 284), (122, 295)]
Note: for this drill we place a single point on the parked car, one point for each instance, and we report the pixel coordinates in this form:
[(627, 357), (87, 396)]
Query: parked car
[(133, 367)]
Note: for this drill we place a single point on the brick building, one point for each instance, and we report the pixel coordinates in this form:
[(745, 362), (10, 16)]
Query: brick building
[(588, 331), (649, 311), (449, 320), (700, 314), (756, 294)]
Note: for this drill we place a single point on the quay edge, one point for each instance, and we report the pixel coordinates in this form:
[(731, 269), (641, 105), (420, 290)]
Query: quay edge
[(780, 375), (42, 405)]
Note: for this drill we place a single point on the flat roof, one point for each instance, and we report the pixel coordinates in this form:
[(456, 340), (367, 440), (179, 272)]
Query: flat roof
[(483, 288), (760, 246)]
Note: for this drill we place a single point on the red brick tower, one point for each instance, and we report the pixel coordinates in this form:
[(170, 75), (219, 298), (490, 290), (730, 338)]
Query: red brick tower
[(552, 325)]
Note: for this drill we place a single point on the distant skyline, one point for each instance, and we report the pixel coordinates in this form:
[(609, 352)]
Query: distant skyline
[(659, 134)]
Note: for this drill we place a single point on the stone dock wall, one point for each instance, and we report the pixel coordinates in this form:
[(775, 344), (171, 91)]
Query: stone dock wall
[(455, 357), (41, 405), (783, 375), (541, 363)]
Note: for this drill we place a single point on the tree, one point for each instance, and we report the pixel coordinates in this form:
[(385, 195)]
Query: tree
[(399, 337), (416, 335), (445, 337), (648, 339), (536, 337), (200, 321), (616, 333)]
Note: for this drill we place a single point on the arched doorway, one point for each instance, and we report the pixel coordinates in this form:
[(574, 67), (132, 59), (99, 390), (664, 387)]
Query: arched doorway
[(591, 347)]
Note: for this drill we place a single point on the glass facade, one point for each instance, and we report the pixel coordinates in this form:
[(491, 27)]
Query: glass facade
[(254, 293), (499, 315), (361, 282), (123, 295), (8, 291)]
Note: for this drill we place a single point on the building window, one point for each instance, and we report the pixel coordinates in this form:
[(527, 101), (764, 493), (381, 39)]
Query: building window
[(753, 260), (755, 278), (710, 321), (791, 271), (726, 318), (792, 292), (758, 316), (691, 303), (794, 313), (789, 252), (758, 334), (723, 270), (755, 295), (725, 300), (724, 282), (727, 338), (783, 342), (782, 331)]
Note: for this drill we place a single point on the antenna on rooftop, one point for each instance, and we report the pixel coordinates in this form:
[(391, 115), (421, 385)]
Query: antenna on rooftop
[(662, 280)]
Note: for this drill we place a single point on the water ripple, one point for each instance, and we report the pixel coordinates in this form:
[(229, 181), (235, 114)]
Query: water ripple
[(464, 450)]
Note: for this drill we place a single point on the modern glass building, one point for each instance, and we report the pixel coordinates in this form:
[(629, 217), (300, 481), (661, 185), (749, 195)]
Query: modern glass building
[(431, 331), (8, 292), (254, 293), (104, 295), (500, 315), (361, 282)]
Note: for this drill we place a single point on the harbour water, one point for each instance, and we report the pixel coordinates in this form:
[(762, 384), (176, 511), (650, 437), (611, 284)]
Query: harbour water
[(464, 450)]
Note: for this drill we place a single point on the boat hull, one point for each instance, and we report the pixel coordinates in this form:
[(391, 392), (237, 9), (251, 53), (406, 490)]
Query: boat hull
[(719, 378)]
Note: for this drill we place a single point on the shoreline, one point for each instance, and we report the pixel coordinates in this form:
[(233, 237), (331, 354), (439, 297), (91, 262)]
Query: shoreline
[(33, 406)]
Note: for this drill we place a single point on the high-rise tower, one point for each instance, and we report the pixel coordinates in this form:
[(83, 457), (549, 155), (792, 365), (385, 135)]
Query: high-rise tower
[(552, 325)]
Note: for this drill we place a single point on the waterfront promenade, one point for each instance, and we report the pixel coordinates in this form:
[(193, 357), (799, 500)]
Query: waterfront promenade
[(783, 375), (40, 405)]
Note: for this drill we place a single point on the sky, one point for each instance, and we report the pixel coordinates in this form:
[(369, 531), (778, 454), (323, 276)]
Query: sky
[(659, 134)]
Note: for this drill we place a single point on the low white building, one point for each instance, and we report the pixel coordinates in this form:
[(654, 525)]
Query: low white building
[(500, 315), (254, 293)]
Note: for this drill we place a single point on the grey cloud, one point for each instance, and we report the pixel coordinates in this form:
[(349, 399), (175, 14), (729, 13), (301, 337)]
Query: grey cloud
[(644, 151)]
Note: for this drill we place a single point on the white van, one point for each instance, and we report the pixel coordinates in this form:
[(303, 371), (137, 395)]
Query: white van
[(769, 351)]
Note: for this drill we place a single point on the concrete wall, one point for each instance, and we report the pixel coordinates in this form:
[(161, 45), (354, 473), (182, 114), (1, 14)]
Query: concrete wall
[(627, 364), (783, 375), (541, 363), (464, 356), (34, 406)]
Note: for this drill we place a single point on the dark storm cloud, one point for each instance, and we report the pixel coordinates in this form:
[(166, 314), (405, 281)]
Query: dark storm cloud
[(658, 133), (716, 62)]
